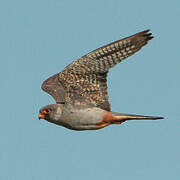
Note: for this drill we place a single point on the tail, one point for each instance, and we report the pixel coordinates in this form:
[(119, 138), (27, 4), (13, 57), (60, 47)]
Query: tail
[(118, 118)]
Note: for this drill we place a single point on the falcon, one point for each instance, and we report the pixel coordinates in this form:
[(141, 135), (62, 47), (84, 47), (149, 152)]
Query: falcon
[(80, 90)]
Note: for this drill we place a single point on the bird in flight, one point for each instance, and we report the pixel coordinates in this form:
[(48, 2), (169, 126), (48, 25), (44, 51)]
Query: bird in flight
[(80, 90)]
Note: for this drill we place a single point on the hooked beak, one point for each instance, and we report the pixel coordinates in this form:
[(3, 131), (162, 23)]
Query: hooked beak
[(41, 116)]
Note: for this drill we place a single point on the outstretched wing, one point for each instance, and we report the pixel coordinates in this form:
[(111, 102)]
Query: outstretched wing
[(86, 78), (87, 75)]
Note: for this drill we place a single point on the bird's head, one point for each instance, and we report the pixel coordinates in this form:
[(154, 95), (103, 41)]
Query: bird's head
[(51, 112)]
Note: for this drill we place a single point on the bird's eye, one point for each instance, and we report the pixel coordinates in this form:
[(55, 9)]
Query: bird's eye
[(46, 111)]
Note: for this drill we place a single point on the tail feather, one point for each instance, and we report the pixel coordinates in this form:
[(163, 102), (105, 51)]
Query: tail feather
[(119, 117)]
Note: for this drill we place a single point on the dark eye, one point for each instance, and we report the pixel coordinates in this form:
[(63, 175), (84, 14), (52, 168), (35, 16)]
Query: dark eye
[(47, 111)]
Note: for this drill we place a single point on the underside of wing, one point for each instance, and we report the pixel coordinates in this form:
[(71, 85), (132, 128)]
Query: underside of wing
[(53, 87)]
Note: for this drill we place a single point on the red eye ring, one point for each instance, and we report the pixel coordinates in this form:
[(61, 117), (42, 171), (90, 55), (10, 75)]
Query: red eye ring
[(46, 111)]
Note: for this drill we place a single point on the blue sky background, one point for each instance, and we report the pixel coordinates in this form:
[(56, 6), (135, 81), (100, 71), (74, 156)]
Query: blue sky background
[(38, 38)]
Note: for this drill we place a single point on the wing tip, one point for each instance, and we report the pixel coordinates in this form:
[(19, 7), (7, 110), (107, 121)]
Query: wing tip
[(146, 33)]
